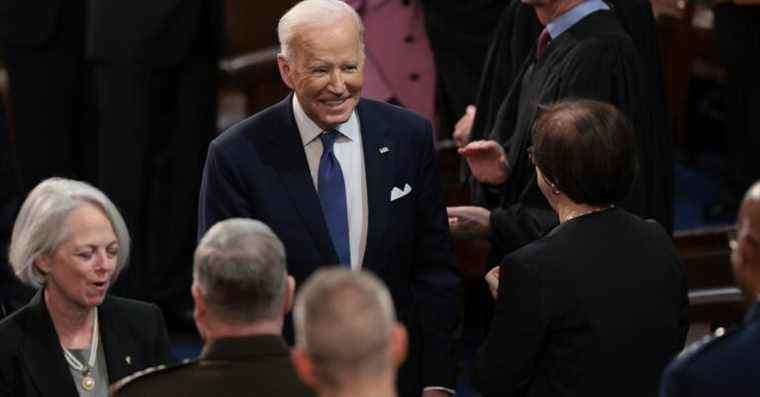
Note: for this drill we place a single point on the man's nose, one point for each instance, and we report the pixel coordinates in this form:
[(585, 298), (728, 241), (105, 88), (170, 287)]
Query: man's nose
[(337, 82)]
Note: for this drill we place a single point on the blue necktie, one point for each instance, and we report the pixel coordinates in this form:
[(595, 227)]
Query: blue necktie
[(332, 196)]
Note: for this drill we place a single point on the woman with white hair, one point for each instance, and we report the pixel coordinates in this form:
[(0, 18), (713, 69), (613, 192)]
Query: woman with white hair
[(72, 339)]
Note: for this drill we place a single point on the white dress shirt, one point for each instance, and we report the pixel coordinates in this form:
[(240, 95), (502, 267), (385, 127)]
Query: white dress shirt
[(349, 152)]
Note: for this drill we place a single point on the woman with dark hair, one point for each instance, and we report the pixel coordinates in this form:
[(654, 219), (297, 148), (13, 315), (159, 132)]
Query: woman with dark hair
[(596, 307)]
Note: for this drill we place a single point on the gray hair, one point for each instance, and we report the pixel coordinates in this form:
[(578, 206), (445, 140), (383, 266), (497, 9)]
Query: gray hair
[(239, 266), (40, 225), (344, 320), (313, 13)]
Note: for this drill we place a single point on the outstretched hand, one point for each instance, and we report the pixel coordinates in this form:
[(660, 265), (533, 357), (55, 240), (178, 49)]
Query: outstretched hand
[(463, 127), (487, 161), (469, 222)]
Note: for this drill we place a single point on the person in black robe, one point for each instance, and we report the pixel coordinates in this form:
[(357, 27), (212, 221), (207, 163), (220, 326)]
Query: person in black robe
[(596, 58), (460, 33)]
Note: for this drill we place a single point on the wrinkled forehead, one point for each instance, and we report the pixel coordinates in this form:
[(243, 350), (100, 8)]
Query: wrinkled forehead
[(343, 33)]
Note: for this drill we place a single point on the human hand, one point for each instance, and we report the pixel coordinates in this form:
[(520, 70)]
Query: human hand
[(463, 127), (492, 279), (469, 222), (669, 8), (487, 161)]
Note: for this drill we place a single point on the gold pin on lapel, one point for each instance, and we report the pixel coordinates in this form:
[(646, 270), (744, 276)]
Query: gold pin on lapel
[(384, 150), (128, 359)]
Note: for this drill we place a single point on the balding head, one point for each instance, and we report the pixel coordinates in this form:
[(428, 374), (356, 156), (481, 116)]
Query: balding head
[(346, 329), (745, 255)]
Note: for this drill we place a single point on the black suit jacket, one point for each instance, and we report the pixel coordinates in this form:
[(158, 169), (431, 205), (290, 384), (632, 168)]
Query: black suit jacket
[(257, 169), (229, 367), (31, 358), (595, 308)]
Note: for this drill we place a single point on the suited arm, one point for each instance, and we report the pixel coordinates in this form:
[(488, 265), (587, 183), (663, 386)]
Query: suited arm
[(506, 360), (436, 280), (222, 194), (522, 222)]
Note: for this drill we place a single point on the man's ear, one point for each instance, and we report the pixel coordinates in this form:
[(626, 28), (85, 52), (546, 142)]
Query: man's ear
[(399, 344), (200, 311), (303, 366), (290, 291), (285, 70)]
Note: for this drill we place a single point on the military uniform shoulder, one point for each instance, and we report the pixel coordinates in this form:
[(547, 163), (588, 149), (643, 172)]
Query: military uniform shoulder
[(703, 346), (148, 373)]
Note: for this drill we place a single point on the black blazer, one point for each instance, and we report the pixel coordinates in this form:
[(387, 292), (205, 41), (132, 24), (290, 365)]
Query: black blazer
[(257, 169), (595, 308), (32, 362)]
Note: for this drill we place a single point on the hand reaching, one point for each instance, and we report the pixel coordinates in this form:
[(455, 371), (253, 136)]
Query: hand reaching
[(487, 161), (463, 128), (469, 222)]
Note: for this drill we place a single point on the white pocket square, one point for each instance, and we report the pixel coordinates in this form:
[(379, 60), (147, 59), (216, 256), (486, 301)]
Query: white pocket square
[(397, 193)]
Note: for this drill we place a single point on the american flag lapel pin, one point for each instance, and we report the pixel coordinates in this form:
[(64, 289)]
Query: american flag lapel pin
[(384, 150)]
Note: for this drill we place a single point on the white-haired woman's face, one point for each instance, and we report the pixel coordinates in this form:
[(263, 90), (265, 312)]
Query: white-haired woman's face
[(80, 270)]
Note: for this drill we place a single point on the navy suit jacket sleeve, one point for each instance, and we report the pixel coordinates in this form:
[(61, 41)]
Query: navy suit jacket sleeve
[(435, 279), (222, 194)]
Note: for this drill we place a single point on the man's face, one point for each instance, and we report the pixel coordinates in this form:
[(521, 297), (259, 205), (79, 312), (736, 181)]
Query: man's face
[(745, 254), (326, 71)]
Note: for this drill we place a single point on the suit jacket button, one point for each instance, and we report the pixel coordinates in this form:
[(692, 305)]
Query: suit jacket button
[(408, 38), (414, 77), (406, 2)]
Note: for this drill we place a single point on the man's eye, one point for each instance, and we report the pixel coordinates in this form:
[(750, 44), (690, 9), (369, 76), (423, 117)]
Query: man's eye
[(85, 255), (112, 253)]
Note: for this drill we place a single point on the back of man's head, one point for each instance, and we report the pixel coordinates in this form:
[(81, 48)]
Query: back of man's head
[(239, 274), (745, 255), (346, 331)]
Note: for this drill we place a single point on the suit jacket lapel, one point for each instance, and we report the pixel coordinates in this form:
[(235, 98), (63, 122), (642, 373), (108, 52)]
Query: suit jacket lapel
[(116, 346), (43, 355), (289, 161), (379, 169)]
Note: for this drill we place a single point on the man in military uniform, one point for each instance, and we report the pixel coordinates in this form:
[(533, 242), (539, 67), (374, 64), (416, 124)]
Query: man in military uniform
[(242, 292), (729, 364)]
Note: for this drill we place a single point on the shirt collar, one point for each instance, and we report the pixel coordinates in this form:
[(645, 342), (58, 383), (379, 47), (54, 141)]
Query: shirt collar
[(309, 130), (565, 21)]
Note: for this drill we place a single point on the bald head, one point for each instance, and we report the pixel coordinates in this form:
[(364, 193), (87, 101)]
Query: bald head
[(745, 255)]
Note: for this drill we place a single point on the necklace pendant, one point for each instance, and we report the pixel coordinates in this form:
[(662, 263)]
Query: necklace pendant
[(88, 382)]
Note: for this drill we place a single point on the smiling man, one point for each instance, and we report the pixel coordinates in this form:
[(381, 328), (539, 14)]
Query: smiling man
[(344, 180)]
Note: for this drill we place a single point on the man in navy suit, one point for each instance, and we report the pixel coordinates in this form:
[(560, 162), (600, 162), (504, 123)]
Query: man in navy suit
[(345, 180), (729, 364)]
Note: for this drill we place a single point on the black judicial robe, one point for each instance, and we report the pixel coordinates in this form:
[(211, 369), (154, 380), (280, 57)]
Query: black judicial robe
[(596, 59)]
